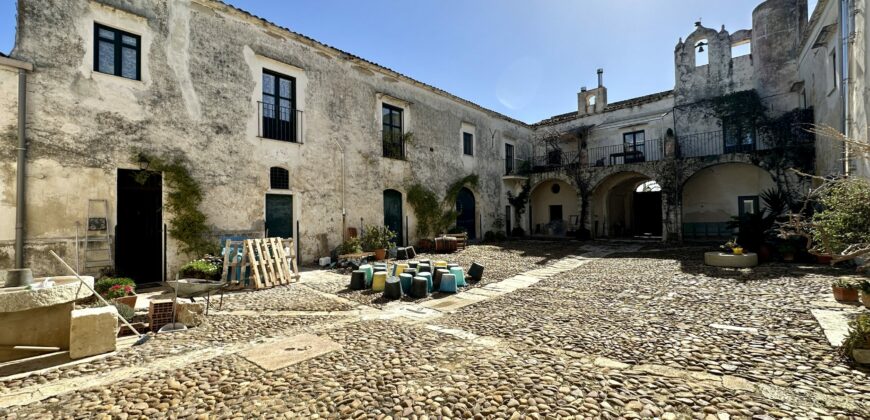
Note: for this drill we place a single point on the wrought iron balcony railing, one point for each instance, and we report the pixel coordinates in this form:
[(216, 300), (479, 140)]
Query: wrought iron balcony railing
[(279, 123)]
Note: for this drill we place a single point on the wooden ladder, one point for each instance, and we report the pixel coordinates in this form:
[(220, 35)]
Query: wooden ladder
[(98, 241)]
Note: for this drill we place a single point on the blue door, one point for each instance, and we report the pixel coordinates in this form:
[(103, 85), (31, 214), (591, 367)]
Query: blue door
[(393, 214)]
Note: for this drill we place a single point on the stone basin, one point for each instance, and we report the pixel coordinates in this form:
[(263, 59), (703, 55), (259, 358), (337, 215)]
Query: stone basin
[(66, 289), (721, 259)]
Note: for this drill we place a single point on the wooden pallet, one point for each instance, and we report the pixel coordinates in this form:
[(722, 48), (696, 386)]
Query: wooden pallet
[(260, 263), (461, 240)]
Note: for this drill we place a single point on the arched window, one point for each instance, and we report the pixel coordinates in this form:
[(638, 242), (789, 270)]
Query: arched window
[(279, 178)]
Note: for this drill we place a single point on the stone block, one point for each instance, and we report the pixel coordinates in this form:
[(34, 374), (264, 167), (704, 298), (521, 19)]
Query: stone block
[(721, 259), (191, 314), (92, 331)]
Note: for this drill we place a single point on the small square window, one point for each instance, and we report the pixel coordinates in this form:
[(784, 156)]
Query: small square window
[(468, 144), (117, 52), (747, 204)]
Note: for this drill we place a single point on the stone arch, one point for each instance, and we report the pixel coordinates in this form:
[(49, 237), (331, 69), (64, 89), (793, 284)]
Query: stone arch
[(713, 193), (554, 207), (618, 209)]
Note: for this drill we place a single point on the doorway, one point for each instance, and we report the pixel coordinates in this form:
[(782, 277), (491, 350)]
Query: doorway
[(139, 229), (465, 212), (279, 216), (648, 213), (393, 214)]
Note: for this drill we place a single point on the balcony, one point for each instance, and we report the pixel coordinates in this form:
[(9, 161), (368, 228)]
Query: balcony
[(516, 167), (279, 123), (715, 143), (619, 154)]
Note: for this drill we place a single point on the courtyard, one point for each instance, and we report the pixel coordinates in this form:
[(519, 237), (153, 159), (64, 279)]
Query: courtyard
[(555, 330)]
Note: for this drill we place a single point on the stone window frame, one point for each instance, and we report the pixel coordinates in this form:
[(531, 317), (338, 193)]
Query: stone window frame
[(470, 129), (119, 45)]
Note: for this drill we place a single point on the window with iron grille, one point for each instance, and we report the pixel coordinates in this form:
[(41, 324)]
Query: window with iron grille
[(394, 146), (279, 107), (116, 52), (468, 144), (279, 178)]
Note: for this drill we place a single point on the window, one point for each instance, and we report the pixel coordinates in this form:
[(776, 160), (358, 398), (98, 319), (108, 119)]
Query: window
[(555, 188), (747, 204), (739, 136), (468, 144), (279, 107), (279, 178), (116, 52), (633, 146), (508, 159), (554, 157), (393, 134)]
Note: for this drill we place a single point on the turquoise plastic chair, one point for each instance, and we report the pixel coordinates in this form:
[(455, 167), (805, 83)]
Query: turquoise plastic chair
[(428, 277), (370, 273), (448, 283), (406, 280), (459, 275)]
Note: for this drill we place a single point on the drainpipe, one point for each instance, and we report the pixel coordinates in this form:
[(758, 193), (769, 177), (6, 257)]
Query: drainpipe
[(19, 175), (343, 208)]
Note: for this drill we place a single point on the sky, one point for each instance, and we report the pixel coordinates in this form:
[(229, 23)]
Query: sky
[(526, 59)]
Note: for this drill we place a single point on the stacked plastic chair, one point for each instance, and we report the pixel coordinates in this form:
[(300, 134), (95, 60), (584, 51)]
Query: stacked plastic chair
[(460, 276), (448, 283), (379, 281)]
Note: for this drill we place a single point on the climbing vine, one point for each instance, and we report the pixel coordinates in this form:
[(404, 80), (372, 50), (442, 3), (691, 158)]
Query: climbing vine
[(188, 224), (434, 215), (519, 201)]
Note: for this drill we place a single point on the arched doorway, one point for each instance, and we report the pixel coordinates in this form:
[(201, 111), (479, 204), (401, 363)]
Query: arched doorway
[(627, 204), (393, 214), (465, 212), (715, 194), (554, 208)]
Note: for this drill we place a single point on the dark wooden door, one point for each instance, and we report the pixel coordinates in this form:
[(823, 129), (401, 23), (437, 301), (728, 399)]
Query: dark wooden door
[(648, 213), (393, 214), (279, 216), (465, 212), (139, 231)]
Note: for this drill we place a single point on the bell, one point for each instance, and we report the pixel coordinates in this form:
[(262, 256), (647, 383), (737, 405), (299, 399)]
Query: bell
[(701, 49)]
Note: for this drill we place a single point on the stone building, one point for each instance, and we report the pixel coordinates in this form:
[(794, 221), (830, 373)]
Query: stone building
[(291, 137)]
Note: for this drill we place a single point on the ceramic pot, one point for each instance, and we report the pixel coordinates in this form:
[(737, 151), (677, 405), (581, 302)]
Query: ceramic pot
[(843, 294), (380, 254), (127, 300)]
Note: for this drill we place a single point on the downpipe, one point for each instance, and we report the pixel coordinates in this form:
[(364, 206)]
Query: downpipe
[(20, 175)]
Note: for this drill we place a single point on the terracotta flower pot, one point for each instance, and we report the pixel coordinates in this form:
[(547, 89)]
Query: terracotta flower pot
[(865, 299), (843, 294), (380, 254), (127, 300)]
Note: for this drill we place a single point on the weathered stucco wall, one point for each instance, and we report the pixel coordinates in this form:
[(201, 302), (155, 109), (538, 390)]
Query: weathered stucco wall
[(711, 194), (201, 80)]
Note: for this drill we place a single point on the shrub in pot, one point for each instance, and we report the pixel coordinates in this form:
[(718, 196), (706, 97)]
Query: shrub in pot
[(378, 239), (500, 236), (489, 236), (865, 293), (845, 290), (518, 232), (118, 289), (350, 246), (204, 269), (856, 346)]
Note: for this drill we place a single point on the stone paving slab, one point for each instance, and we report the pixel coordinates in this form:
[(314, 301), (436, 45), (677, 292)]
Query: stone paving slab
[(287, 352)]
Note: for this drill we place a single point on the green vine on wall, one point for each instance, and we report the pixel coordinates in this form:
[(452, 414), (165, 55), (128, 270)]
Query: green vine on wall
[(434, 215), (188, 223)]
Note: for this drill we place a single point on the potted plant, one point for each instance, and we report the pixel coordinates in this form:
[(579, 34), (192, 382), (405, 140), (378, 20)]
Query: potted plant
[(856, 346), (865, 293), (378, 239), (845, 290), (118, 289), (732, 246), (350, 246), (204, 269), (787, 250)]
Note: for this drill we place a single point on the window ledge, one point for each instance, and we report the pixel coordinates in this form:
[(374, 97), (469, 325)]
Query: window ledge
[(110, 76), (281, 141)]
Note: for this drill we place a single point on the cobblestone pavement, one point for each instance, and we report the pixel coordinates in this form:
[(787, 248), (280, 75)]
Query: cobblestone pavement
[(623, 336)]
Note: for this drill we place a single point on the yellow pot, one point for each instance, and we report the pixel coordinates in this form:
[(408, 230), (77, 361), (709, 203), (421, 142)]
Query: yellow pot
[(737, 251)]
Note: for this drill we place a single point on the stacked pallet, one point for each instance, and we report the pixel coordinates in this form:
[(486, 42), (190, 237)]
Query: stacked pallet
[(260, 263)]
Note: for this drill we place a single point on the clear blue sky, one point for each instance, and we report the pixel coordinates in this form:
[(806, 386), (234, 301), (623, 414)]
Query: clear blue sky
[(524, 58)]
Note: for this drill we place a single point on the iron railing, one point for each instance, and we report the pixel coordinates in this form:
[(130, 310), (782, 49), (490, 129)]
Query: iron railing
[(714, 143), (279, 123), (393, 145), (518, 167), (620, 154), (553, 161)]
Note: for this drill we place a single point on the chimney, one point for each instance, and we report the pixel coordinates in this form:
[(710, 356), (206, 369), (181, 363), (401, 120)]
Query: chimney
[(600, 78), (583, 89)]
